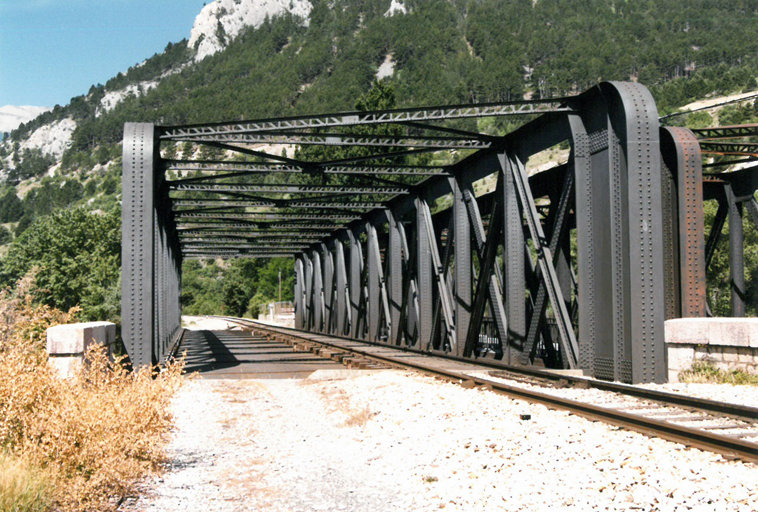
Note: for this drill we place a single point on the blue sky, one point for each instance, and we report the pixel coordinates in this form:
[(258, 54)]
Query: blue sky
[(53, 50)]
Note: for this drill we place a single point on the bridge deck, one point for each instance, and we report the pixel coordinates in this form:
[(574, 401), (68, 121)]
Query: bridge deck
[(241, 355)]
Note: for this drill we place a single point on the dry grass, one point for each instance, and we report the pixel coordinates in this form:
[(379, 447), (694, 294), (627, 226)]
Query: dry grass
[(92, 435), (359, 418), (22, 486), (338, 400)]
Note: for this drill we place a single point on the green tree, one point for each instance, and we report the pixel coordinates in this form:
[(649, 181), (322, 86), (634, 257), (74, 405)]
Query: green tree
[(11, 208), (5, 235), (77, 255)]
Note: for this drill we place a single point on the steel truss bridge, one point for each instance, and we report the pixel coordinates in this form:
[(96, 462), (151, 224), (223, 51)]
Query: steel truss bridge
[(470, 254)]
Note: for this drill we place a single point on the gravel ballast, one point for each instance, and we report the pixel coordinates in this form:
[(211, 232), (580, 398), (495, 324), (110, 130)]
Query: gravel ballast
[(396, 441)]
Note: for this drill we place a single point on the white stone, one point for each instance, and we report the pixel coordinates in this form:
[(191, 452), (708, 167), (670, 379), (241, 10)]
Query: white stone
[(680, 357), (730, 355), (735, 332), (51, 139), (74, 339), (235, 15), (396, 7), (113, 98), (732, 332), (693, 331), (753, 330), (387, 68)]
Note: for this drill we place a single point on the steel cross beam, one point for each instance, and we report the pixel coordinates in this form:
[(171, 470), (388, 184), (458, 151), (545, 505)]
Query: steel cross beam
[(186, 242), (225, 245), (249, 235), (284, 203), (386, 141), (263, 215), (286, 189), (241, 235), (245, 168), (260, 227), (722, 148), (369, 118), (210, 256), (230, 251), (727, 132)]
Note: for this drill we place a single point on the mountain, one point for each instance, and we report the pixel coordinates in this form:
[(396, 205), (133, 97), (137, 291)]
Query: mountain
[(260, 58), (12, 117)]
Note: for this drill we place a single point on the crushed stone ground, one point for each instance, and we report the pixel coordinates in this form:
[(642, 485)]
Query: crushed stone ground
[(395, 441)]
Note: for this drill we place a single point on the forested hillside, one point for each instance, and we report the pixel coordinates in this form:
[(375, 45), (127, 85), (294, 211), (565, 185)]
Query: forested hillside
[(437, 52)]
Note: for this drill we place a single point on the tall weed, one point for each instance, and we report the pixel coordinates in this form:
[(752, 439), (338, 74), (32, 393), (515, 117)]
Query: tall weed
[(93, 435), (23, 488)]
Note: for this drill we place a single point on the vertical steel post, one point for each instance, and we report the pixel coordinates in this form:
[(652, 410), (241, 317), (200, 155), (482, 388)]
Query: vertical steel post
[(423, 277), (137, 251), (318, 293), (151, 261), (736, 253), (299, 278), (681, 154), (394, 279), (342, 299), (356, 285), (308, 309), (328, 266), (463, 287), (515, 267), (637, 233)]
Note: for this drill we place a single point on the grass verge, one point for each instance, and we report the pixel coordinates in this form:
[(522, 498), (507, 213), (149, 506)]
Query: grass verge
[(706, 372)]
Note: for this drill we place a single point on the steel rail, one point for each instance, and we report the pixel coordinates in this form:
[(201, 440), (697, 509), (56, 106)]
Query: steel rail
[(685, 435)]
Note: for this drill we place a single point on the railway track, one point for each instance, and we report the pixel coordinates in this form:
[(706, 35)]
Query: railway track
[(728, 429)]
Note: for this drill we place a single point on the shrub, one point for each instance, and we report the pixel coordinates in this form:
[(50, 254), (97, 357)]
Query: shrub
[(93, 435)]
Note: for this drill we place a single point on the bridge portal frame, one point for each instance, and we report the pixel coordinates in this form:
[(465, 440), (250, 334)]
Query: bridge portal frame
[(407, 272)]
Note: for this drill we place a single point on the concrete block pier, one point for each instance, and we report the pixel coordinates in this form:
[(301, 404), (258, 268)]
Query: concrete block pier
[(66, 344), (727, 343)]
